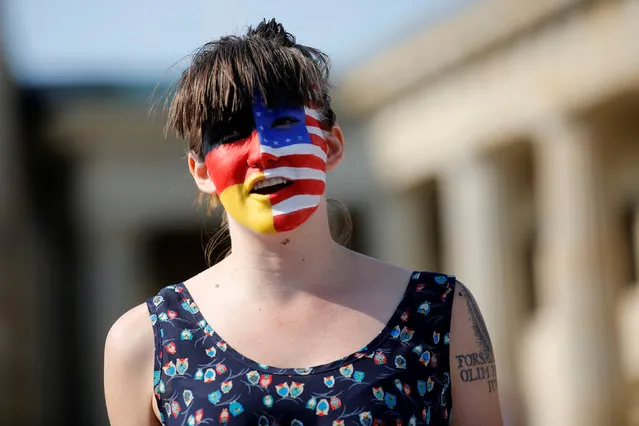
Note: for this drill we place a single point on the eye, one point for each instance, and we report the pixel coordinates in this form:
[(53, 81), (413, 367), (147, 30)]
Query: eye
[(284, 122)]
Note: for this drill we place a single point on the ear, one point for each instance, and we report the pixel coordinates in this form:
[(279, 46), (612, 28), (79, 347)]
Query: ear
[(335, 144), (201, 175)]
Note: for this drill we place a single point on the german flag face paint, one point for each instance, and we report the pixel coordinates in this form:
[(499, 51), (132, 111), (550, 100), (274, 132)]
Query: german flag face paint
[(269, 166)]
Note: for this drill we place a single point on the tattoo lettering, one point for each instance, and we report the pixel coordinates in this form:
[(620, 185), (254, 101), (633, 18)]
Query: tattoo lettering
[(477, 366), (492, 385)]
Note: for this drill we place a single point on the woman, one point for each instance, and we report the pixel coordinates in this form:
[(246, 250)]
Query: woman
[(291, 328)]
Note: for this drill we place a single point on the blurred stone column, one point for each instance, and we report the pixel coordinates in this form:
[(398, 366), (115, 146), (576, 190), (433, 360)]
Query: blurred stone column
[(635, 239), (110, 274), (571, 360), (398, 229), (474, 242)]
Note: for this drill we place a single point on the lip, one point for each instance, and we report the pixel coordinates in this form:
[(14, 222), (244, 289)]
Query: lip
[(250, 184), (251, 181)]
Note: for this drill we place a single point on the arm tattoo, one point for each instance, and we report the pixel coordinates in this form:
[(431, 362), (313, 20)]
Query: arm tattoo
[(479, 326), (479, 365)]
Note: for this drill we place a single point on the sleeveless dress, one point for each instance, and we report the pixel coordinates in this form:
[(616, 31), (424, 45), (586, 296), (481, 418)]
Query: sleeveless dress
[(400, 378)]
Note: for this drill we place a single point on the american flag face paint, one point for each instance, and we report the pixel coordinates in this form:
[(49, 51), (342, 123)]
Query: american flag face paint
[(272, 181)]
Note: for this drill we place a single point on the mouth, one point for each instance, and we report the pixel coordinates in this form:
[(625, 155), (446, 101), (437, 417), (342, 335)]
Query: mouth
[(270, 186)]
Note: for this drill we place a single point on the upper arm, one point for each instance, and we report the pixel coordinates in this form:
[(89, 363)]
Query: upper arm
[(128, 370), (472, 365)]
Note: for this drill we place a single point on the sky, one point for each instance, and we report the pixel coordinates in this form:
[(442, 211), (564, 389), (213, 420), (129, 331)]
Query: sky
[(144, 41)]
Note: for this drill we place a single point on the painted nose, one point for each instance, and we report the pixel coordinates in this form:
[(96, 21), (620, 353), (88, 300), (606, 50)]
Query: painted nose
[(256, 158)]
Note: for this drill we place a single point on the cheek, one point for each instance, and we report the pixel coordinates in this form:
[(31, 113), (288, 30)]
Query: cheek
[(227, 165)]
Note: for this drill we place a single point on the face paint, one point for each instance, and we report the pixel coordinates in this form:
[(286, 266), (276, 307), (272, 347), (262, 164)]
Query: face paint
[(285, 156)]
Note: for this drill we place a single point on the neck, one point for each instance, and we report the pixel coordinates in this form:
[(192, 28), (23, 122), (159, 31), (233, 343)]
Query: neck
[(282, 264)]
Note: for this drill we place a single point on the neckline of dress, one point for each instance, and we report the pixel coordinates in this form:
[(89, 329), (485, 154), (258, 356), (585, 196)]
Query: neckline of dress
[(366, 351)]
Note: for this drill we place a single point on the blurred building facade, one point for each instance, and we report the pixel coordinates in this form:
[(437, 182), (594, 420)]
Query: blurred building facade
[(515, 125), (500, 145), (19, 316)]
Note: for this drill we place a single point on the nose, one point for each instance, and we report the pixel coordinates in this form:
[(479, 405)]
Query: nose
[(256, 158)]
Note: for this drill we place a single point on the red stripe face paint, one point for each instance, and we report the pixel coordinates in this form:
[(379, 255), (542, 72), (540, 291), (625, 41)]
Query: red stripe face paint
[(272, 176)]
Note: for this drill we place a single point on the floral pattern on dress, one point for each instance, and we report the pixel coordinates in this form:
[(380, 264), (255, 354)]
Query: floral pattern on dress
[(400, 378)]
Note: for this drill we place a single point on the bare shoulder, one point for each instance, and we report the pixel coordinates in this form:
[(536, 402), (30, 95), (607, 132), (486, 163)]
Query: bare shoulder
[(130, 338), (128, 369), (472, 364)]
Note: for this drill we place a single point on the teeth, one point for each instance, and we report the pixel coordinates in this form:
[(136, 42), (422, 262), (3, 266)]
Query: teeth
[(269, 182)]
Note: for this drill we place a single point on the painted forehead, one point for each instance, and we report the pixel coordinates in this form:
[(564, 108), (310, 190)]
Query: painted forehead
[(262, 113)]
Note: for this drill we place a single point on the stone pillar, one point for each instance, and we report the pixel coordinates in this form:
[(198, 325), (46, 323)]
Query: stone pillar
[(515, 222), (398, 229), (109, 271), (635, 242), (571, 361), (111, 289), (473, 204)]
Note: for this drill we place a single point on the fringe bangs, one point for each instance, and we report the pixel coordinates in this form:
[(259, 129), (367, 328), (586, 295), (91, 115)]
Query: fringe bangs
[(226, 74)]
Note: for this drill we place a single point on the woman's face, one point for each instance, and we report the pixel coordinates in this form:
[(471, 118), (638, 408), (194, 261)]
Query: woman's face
[(268, 166)]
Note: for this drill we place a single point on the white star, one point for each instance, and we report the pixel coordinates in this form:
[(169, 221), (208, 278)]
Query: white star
[(288, 140), (299, 138), (259, 114), (261, 127), (265, 140), (276, 143)]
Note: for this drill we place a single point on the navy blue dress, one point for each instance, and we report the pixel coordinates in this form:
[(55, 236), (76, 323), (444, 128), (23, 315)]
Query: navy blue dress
[(400, 378)]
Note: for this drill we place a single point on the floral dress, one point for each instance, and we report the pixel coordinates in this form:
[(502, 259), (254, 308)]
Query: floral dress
[(400, 378)]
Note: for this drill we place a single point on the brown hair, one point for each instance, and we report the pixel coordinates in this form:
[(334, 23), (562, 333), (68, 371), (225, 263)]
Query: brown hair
[(225, 75)]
